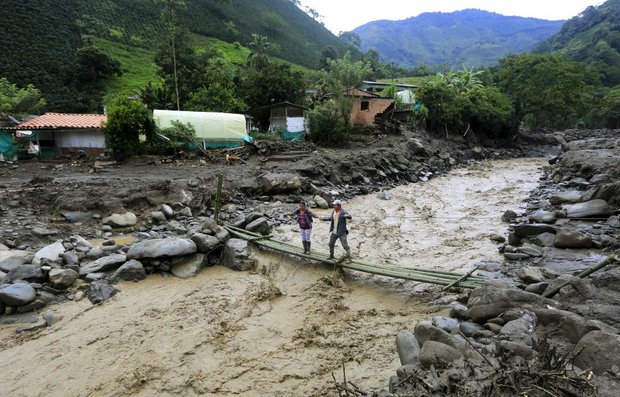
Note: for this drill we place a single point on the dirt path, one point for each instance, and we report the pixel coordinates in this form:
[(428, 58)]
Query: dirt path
[(282, 330)]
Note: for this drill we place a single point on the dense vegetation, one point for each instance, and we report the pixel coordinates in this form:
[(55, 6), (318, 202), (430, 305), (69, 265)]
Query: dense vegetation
[(468, 37), (592, 37), (41, 40)]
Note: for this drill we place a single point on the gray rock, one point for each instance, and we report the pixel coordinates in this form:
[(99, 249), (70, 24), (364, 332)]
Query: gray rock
[(438, 355), (10, 259), (187, 267), (408, 348), (509, 348), (592, 208), (3, 247), (17, 294), (460, 312), (564, 324), (62, 278), (9, 319), (76, 216), (161, 248), (425, 331), (542, 216), (237, 255), (613, 221), (532, 229), (70, 258), (598, 350), (104, 264), (280, 183), (43, 232), (99, 291), (158, 217), (321, 202), (516, 256), (544, 240), (519, 330), (222, 234), (187, 212), (204, 242), (239, 221), (26, 272), (121, 220), (569, 238), (565, 197), (530, 274), (446, 323), (4, 278), (32, 306), (252, 216), (131, 270), (509, 216), (167, 211), (537, 288), (469, 329), (495, 328), (51, 318), (260, 225), (51, 252), (530, 250), (488, 302)]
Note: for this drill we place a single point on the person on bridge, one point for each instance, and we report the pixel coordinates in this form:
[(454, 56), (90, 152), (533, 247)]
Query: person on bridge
[(338, 228), (304, 219)]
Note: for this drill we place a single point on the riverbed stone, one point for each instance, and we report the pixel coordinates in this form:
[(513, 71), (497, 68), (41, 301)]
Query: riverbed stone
[(321, 202), (571, 238), (446, 323), (592, 208), (438, 355), (62, 278), (542, 216), (50, 252), (469, 328), (564, 324), (530, 274), (537, 288), (280, 183), (17, 294), (189, 266), (598, 350), (488, 302), (408, 348), (204, 242), (26, 272), (157, 217), (70, 258), (160, 248), (132, 270), (460, 312), (167, 211), (532, 229), (509, 216), (516, 256), (121, 220), (104, 264), (544, 239), (530, 250), (238, 255), (572, 196), (100, 291), (10, 259), (260, 225)]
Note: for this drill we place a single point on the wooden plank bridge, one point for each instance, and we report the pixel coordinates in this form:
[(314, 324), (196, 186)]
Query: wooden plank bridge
[(446, 279)]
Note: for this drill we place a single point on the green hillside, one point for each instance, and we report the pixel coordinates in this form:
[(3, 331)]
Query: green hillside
[(40, 40), (470, 37), (592, 37)]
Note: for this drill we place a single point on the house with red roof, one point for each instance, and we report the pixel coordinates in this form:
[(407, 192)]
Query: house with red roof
[(65, 134)]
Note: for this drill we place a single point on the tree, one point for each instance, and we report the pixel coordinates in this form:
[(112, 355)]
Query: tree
[(276, 82), (169, 19), (259, 46), (547, 91), (127, 120), (328, 54), (608, 111), (95, 64), (16, 101)]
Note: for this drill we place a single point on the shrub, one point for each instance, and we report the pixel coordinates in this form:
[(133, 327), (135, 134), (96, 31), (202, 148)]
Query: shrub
[(325, 127)]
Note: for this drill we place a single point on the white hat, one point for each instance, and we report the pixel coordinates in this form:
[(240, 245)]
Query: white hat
[(337, 202)]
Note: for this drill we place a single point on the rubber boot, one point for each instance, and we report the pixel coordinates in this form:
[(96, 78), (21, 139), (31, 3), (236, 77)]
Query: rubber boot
[(305, 243), (331, 253), (349, 254), (309, 243)]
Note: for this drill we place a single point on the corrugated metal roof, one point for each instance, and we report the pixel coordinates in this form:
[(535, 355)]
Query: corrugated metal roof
[(64, 120)]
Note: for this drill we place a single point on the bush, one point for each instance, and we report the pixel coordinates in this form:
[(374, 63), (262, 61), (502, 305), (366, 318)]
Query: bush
[(325, 127), (169, 141), (127, 119)]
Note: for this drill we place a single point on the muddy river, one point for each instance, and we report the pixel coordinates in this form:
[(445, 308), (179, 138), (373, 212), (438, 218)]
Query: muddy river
[(283, 330)]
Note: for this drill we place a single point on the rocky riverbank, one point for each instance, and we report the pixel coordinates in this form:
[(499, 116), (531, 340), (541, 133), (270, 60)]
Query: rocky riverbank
[(544, 328)]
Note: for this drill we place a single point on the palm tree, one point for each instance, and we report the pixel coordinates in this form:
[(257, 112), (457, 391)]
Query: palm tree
[(259, 45)]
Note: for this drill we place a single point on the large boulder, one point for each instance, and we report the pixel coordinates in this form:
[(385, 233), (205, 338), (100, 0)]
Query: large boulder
[(532, 229), (572, 197), (159, 248), (598, 350), (542, 216), (204, 242), (10, 259), (103, 264), (260, 225), (121, 220), (238, 255), (563, 324), (489, 302), (51, 252), (26, 272), (62, 278), (189, 266), (280, 183), (131, 270), (592, 208), (17, 294), (571, 238), (408, 348), (438, 355), (99, 291)]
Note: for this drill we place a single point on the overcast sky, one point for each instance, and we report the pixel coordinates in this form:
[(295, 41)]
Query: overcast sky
[(346, 15)]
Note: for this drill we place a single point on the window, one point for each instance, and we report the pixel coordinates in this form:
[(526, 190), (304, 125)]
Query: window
[(365, 105)]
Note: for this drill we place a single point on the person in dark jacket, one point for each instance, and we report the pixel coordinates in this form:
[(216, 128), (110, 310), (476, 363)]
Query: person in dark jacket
[(338, 228), (304, 220)]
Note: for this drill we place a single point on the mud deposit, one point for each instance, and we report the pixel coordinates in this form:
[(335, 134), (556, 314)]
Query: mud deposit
[(284, 329)]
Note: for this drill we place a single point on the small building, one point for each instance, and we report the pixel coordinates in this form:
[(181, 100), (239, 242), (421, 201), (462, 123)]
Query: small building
[(213, 129), (367, 106), (65, 134), (284, 117)]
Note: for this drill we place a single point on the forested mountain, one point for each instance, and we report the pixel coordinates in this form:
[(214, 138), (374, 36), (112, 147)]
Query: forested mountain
[(470, 37), (40, 39), (592, 37)]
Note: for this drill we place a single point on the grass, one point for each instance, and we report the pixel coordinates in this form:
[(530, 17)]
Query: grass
[(137, 64)]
